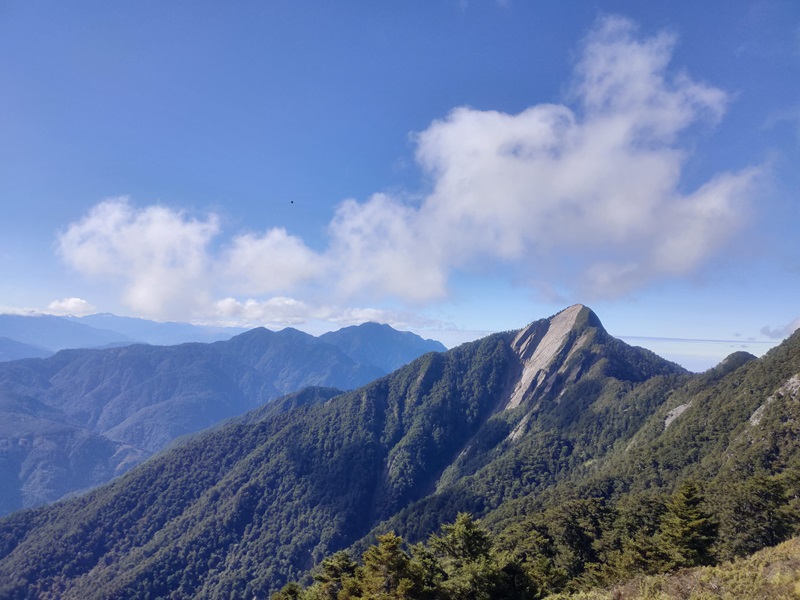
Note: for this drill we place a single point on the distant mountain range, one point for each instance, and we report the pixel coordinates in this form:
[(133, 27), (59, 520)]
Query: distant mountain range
[(380, 345), (49, 333), (587, 459), (14, 350), (80, 417)]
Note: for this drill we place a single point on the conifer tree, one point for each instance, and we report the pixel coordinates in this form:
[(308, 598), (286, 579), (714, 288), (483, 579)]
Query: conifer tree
[(291, 591), (462, 541), (386, 574), (687, 530), (336, 572), (472, 570), (754, 514)]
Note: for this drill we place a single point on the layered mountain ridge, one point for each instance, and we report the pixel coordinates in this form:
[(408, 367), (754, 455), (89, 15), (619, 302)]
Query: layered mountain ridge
[(240, 509), (556, 435), (82, 417), (47, 334)]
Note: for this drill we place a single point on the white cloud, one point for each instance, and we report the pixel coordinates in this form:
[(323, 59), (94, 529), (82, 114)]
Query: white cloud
[(274, 311), (592, 191), (159, 254), (283, 311), (585, 199), (597, 188), (76, 307), (14, 310), (384, 248), (273, 262)]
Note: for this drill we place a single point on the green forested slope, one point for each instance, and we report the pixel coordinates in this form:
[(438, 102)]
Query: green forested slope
[(554, 436), (244, 507), (77, 419), (602, 393), (609, 522), (715, 482)]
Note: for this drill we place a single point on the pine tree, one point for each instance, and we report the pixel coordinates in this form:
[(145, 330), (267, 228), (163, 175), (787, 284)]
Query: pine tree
[(335, 573), (462, 541), (687, 530), (386, 574), (291, 591), (472, 571)]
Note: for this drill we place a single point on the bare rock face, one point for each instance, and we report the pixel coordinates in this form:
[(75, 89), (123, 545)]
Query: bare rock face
[(539, 345), (790, 388)]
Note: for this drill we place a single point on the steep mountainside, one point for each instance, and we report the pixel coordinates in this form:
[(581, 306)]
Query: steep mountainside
[(238, 510), (80, 417), (712, 475), (367, 343), (576, 394), (724, 442)]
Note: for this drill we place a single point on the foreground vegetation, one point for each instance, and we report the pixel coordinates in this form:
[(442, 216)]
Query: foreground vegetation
[(574, 551), (771, 574)]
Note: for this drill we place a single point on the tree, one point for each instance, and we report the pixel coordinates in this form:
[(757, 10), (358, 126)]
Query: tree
[(335, 573), (461, 542), (576, 527), (386, 574), (753, 515), (472, 570), (687, 530), (291, 591), (427, 572)]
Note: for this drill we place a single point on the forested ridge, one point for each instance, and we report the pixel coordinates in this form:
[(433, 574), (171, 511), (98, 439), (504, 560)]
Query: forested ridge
[(81, 417), (591, 478), (715, 486)]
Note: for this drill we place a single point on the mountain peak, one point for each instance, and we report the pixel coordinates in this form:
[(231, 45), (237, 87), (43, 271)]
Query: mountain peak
[(555, 329), (542, 341), (582, 314), (363, 343)]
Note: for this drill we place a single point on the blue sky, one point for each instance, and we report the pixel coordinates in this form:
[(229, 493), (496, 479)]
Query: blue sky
[(451, 167)]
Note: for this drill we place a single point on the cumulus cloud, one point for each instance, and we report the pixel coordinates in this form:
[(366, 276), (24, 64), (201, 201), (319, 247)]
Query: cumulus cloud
[(77, 307), (384, 248), (158, 254), (585, 199), (278, 310), (596, 187), (779, 333), (269, 263), (592, 190)]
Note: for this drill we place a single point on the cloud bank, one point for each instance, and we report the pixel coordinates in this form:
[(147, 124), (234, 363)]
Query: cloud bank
[(585, 198), (76, 307)]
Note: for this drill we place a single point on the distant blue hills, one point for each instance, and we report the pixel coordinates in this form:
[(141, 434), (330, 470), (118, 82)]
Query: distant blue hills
[(23, 336), (83, 415), (50, 333)]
